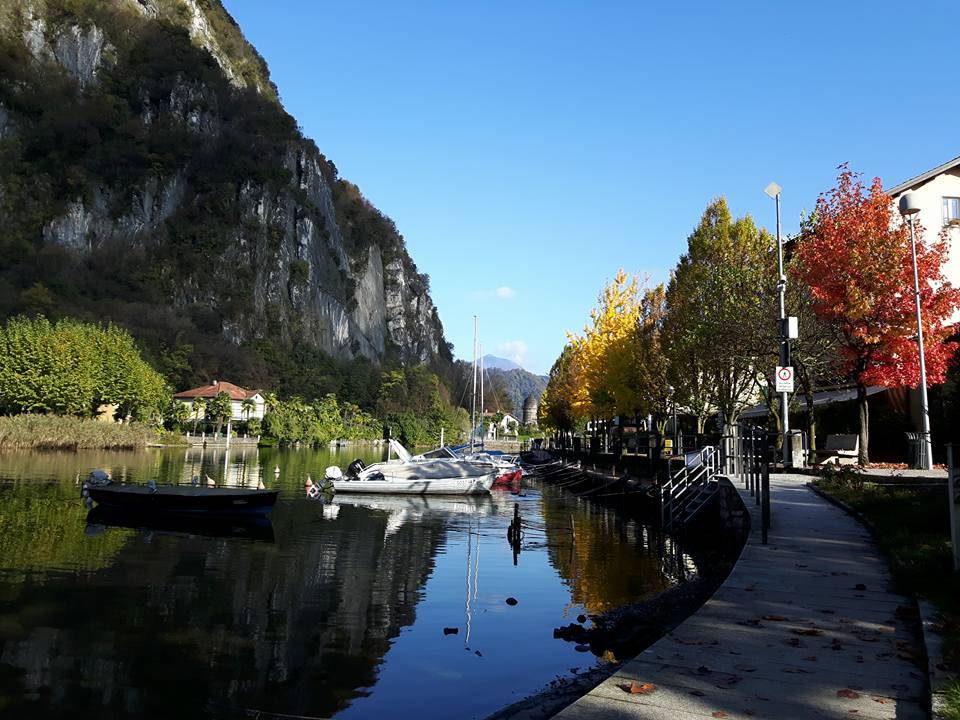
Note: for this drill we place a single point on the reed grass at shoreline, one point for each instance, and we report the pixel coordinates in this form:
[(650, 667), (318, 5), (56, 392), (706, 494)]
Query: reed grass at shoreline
[(55, 432)]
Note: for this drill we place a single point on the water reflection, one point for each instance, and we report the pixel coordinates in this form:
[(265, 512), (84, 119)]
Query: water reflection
[(258, 527), (343, 613)]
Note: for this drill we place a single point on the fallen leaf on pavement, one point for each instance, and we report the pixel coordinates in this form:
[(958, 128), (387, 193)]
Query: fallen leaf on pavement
[(635, 688)]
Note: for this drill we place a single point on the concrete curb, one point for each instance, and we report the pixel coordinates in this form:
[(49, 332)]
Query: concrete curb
[(938, 677)]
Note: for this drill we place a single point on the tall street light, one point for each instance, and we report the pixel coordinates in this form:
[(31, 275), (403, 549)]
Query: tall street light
[(773, 190), (909, 207)]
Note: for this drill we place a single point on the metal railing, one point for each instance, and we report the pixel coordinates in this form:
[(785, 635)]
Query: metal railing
[(746, 458), (681, 492)]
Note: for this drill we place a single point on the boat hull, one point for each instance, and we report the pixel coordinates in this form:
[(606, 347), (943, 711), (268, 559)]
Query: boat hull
[(186, 501), (475, 485), (508, 480)]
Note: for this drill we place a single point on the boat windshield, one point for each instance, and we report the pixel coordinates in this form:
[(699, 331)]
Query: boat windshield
[(400, 450), (443, 453)]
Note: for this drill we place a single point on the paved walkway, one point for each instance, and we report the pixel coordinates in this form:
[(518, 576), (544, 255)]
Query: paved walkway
[(805, 627)]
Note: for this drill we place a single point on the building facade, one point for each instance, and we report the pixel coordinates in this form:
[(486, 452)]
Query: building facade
[(938, 193), (245, 404)]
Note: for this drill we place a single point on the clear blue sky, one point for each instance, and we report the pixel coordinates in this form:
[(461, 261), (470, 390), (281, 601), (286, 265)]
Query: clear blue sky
[(526, 150)]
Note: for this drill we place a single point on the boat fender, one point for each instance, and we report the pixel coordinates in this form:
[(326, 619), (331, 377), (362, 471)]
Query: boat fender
[(152, 485), (356, 467)]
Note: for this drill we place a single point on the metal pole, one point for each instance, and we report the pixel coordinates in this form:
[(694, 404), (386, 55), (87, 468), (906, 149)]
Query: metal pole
[(765, 506), (473, 400), (952, 477), (784, 347), (927, 462)]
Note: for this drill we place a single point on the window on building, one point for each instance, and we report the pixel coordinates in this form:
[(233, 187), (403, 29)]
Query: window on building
[(951, 210)]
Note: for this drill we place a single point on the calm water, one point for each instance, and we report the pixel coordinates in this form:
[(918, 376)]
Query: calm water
[(334, 610)]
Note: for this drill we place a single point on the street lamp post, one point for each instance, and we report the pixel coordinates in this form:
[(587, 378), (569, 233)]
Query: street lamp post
[(909, 207), (773, 190)]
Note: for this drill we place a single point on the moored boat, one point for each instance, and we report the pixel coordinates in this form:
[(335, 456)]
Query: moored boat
[(183, 499), (404, 476)]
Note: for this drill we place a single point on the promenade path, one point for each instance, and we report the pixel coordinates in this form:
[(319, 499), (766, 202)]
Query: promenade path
[(804, 627)]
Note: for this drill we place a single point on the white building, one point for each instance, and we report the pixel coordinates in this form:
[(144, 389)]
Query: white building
[(509, 425), (938, 193), (245, 404)]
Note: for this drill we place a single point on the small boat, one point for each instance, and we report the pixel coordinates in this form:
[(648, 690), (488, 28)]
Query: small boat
[(408, 477), (182, 499)]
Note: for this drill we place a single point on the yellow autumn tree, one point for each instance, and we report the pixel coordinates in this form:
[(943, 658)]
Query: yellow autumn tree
[(602, 355)]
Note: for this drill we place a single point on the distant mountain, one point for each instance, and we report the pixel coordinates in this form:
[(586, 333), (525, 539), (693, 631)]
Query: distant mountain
[(517, 384), (492, 362)]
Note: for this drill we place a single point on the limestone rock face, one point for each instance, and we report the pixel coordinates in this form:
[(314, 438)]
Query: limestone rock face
[(286, 263), (80, 52)]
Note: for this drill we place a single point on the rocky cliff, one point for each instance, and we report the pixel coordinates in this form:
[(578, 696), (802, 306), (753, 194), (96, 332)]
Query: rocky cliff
[(149, 175)]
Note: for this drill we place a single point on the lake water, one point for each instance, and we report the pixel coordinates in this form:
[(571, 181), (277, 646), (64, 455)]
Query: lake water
[(327, 610)]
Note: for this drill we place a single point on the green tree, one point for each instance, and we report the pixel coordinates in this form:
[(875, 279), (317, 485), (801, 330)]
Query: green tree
[(248, 406), (198, 411), (71, 368), (718, 308), (220, 409)]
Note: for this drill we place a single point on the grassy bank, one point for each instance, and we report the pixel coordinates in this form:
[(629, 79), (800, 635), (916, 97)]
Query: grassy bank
[(52, 432), (912, 526)]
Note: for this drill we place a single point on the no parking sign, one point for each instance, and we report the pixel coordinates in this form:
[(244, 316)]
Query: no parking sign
[(784, 379)]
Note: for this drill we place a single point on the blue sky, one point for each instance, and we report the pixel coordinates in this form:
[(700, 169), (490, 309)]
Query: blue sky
[(527, 150)]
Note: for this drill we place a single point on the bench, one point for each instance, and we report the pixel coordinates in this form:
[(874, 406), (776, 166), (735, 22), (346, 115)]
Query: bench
[(840, 450)]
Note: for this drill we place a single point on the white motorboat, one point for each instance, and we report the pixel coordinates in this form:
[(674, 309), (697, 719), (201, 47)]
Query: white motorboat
[(506, 468), (404, 476)]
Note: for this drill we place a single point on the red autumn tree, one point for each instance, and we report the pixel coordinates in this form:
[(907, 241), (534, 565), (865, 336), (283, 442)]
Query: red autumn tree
[(855, 256)]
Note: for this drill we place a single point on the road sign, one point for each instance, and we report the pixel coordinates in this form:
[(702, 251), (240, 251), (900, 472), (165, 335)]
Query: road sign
[(784, 379)]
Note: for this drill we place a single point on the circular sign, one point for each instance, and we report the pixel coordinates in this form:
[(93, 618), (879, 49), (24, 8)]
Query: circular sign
[(785, 373)]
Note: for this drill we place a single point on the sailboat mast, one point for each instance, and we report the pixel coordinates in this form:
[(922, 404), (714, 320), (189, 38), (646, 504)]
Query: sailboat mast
[(483, 422), (473, 398)]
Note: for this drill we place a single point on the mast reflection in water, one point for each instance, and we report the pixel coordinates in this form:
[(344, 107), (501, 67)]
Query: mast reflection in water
[(330, 610)]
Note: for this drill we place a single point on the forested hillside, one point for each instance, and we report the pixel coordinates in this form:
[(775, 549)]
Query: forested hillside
[(149, 176)]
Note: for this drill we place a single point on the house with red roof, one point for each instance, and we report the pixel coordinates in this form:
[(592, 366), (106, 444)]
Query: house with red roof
[(245, 404)]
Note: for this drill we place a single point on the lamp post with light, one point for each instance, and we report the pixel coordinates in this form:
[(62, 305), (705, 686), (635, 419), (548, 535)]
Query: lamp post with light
[(909, 207), (773, 191)]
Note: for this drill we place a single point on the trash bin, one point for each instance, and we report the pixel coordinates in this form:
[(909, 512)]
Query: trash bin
[(915, 449)]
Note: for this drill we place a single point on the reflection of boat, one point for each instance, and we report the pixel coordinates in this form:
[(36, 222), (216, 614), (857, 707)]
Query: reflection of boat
[(255, 527), (401, 509), (404, 476), (422, 506), (184, 500)]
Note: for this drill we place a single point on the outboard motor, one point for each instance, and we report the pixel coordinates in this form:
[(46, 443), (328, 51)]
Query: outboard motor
[(355, 468), (96, 478)]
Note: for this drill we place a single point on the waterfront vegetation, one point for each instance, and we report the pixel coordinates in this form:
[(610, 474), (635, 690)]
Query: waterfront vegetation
[(707, 342), (912, 527), (56, 377), (65, 432)]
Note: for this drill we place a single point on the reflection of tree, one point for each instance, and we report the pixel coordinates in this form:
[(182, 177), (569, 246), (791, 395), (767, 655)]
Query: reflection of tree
[(177, 624), (45, 530), (605, 558)]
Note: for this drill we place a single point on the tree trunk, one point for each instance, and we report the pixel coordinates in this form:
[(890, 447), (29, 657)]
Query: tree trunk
[(811, 424), (864, 408)]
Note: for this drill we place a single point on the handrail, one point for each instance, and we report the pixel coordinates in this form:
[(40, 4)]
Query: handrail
[(677, 491)]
